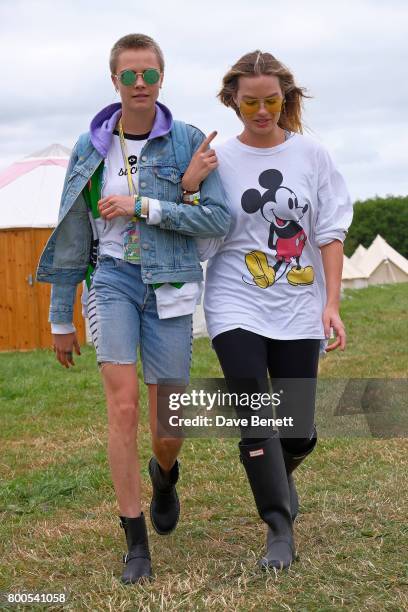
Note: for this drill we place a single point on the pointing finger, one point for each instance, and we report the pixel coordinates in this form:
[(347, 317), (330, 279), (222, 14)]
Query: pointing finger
[(203, 146)]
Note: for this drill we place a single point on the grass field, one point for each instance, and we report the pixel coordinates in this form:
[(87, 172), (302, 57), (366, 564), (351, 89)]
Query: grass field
[(58, 518)]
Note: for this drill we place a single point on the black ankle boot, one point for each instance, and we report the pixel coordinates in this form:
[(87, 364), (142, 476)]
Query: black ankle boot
[(292, 461), (137, 561), (165, 505), (266, 473)]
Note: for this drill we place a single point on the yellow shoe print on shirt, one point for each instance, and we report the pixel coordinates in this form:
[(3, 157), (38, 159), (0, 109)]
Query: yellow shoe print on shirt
[(301, 276), (263, 273)]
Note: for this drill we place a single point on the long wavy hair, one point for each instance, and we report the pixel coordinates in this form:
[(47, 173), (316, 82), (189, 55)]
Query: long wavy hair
[(257, 63)]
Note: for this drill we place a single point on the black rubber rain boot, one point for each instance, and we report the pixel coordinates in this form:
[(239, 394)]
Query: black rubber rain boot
[(165, 505), (265, 468), (292, 461), (138, 567)]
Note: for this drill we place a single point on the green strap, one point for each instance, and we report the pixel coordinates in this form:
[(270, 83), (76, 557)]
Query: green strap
[(92, 195), (92, 191), (88, 277)]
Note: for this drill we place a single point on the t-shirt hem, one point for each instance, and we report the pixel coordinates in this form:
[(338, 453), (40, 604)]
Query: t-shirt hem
[(261, 332)]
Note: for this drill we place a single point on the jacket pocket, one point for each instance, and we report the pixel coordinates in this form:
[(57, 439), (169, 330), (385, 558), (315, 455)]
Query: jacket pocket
[(73, 241), (78, 173), (168, 183)]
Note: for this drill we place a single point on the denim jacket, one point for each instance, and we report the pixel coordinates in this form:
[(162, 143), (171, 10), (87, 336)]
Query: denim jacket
[(168, 250)]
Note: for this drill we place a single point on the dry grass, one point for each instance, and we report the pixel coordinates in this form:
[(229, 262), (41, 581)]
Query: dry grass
[(349, 537), (29, 453), (58, 519)]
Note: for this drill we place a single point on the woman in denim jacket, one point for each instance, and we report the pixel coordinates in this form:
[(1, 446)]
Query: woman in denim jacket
[(139, 188)]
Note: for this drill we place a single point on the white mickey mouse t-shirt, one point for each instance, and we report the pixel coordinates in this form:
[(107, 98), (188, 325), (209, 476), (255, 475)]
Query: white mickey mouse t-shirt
[(267, 274)]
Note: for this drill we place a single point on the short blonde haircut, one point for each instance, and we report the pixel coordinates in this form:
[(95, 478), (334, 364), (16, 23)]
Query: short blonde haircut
[(134, 41)]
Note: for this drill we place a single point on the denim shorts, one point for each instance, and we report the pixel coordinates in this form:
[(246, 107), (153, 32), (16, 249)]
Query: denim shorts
[(123, 316)]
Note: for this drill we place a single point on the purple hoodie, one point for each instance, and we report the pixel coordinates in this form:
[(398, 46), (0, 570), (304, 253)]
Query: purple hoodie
[(103, 124)]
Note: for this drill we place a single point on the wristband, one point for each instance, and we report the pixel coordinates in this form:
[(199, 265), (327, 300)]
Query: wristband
[(141, 206), (193, 198), (145, 207), (138, 206)]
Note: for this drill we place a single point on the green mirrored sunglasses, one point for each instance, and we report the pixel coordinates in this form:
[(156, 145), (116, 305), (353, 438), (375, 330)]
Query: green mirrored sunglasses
[(129, 77)]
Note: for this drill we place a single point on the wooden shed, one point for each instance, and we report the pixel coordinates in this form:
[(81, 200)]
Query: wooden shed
[(30, 192)]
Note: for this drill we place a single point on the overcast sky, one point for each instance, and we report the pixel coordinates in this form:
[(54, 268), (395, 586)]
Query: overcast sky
[(350, 54)]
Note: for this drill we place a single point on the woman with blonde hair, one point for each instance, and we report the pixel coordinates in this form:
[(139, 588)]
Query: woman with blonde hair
[(273, 284), (126, 208)]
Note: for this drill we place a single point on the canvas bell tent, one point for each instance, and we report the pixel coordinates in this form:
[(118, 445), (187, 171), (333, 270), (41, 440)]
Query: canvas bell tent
[(352, 277), (381, 263), (358, 255), (30, 191)]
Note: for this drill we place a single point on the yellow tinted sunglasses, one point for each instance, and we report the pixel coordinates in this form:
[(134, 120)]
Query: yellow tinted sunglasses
[(251, 106)]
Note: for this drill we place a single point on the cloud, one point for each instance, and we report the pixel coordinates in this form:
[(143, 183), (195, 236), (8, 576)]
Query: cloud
[(350, 55)]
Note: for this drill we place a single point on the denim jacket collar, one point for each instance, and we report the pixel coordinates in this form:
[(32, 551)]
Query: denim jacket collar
[(103, 124)]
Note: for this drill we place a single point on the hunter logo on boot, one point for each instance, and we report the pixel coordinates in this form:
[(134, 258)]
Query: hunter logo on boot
[(256, 453)]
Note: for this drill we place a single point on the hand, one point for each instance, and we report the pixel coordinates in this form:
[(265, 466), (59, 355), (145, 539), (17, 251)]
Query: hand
[(116, 206), (203, 162), (63, 348), (331, 318)]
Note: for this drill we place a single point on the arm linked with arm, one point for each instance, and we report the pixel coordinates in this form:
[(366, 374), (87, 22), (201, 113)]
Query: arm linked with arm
[(210, 218)]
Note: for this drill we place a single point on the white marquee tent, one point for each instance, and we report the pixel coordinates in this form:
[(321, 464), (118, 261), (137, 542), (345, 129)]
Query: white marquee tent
[(352, 277), (381, 263), (30, 189)]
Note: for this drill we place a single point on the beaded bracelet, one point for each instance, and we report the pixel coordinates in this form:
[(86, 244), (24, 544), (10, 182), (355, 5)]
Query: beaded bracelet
[(138, 206)]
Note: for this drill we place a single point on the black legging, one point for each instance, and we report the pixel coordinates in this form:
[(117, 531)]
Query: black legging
[(247, 357)]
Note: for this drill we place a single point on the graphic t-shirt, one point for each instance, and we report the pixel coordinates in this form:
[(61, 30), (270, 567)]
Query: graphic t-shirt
[(267, 275), (171, 301), (112, 233)]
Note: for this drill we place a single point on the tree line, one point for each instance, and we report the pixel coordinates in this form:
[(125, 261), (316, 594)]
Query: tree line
[(386, 216)]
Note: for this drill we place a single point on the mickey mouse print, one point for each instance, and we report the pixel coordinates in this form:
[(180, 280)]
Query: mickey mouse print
[(280, 208), (267, 275)]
